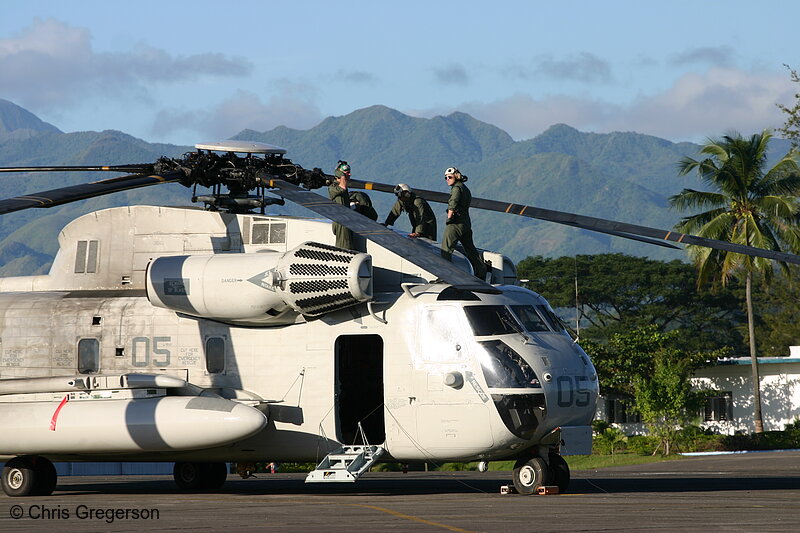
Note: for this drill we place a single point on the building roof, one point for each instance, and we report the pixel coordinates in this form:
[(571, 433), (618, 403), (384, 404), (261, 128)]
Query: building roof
[(761, 360)]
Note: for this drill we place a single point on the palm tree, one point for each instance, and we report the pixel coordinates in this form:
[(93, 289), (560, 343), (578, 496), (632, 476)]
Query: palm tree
[(748, 205)]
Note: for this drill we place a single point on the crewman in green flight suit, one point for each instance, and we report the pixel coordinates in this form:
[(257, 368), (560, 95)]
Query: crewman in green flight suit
[(458, 227), (420, 214), (363, 205), (338, 193)]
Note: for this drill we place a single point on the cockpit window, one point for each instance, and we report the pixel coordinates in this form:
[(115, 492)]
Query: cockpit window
[(552, 319), (529, 318), (441, 334), (491, 320), (504, 368)]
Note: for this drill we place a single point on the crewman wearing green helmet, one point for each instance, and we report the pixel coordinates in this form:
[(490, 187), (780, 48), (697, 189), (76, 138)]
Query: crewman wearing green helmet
[(337, 192)]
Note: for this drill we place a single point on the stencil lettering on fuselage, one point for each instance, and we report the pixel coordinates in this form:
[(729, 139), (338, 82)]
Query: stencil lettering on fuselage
[(477, 386)]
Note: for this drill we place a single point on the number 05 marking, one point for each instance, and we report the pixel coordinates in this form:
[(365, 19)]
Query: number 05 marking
[(571, 391), (141, 355)]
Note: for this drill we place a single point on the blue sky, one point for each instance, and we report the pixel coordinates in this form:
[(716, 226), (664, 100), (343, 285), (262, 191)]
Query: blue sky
[(181, 72)]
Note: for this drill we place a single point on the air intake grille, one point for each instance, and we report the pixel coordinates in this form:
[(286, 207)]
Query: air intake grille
[(318, 278), (319, 245), (319, 255), (310, 269), (327, 302), (318, 285)]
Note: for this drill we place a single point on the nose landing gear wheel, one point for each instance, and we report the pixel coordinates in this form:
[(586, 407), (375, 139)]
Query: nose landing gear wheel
[(559, 472), (530, 474)]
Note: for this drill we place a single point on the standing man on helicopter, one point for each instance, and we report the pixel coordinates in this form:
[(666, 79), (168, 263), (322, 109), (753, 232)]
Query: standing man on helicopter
[(337, 191), (458, 227)]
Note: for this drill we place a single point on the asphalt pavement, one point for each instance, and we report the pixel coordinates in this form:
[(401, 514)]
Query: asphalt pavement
[(745, 492)]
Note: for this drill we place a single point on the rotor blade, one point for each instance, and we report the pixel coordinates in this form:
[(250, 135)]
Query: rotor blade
[(646, 240), (443, 198), (83, 191), (402, 246), (114, 168), (602, 225)]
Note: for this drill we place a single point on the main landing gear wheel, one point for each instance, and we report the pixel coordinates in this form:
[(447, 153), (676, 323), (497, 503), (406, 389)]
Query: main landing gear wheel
[(200, 476), (29, 476), (216, 475), (559, 472), (531, 474)]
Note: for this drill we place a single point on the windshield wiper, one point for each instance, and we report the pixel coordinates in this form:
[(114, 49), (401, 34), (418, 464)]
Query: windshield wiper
[(511, 322)]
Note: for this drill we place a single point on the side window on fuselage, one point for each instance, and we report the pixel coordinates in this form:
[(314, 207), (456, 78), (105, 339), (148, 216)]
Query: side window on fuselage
[(88, 356), (215, 355)]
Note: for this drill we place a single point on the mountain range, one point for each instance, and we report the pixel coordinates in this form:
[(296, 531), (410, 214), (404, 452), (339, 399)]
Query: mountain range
[(623, 176)]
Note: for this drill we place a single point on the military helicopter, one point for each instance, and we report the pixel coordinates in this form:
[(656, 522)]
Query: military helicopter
[(202, 336)]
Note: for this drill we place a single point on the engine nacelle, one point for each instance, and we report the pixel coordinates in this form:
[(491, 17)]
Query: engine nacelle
[(261, 288)]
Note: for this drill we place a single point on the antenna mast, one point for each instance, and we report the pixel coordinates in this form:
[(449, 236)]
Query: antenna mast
[(577, 308)]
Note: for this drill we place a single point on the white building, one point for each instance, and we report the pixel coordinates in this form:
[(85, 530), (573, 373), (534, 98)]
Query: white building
[(731, 409)]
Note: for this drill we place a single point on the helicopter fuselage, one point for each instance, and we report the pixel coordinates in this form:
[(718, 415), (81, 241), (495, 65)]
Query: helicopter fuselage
[(428, 371)]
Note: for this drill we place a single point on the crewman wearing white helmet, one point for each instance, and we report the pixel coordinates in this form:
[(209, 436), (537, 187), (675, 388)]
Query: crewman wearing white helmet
[(458, 227), (420, 214)]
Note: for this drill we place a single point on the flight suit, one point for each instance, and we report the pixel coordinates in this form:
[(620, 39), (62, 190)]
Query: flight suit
[(344, 235), (458, 228), (420, 214), (363, 205)]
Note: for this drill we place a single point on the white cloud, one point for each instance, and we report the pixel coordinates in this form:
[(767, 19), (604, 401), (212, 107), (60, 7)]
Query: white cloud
[(51, 64), (695, 107), (292, 105), (524, 117), (709, 104), (584, 67)]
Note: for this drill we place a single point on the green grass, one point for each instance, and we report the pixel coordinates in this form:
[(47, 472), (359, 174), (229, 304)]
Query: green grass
[(593, 462), (575, 462)]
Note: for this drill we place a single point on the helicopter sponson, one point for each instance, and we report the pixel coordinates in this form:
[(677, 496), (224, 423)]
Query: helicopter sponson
[(118, 414)]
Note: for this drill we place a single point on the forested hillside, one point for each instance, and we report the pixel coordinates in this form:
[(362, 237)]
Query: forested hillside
[(623, 176)]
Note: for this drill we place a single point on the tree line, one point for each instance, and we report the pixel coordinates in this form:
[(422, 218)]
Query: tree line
[(648, 327), (599, 296), (650, 324)]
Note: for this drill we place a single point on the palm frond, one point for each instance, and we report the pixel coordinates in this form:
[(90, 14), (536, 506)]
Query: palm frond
[(788, 234), (778, 181), (782, 178), (758, 235), (777, 208), (716, 224), (749, 206), (691, 199), (716, 149), (706, 169)]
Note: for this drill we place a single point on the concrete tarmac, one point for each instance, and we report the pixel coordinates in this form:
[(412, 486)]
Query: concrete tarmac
[(752, 492)]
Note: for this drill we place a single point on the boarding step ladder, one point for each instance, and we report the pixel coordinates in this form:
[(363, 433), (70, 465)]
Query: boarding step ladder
[(346, 464)]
